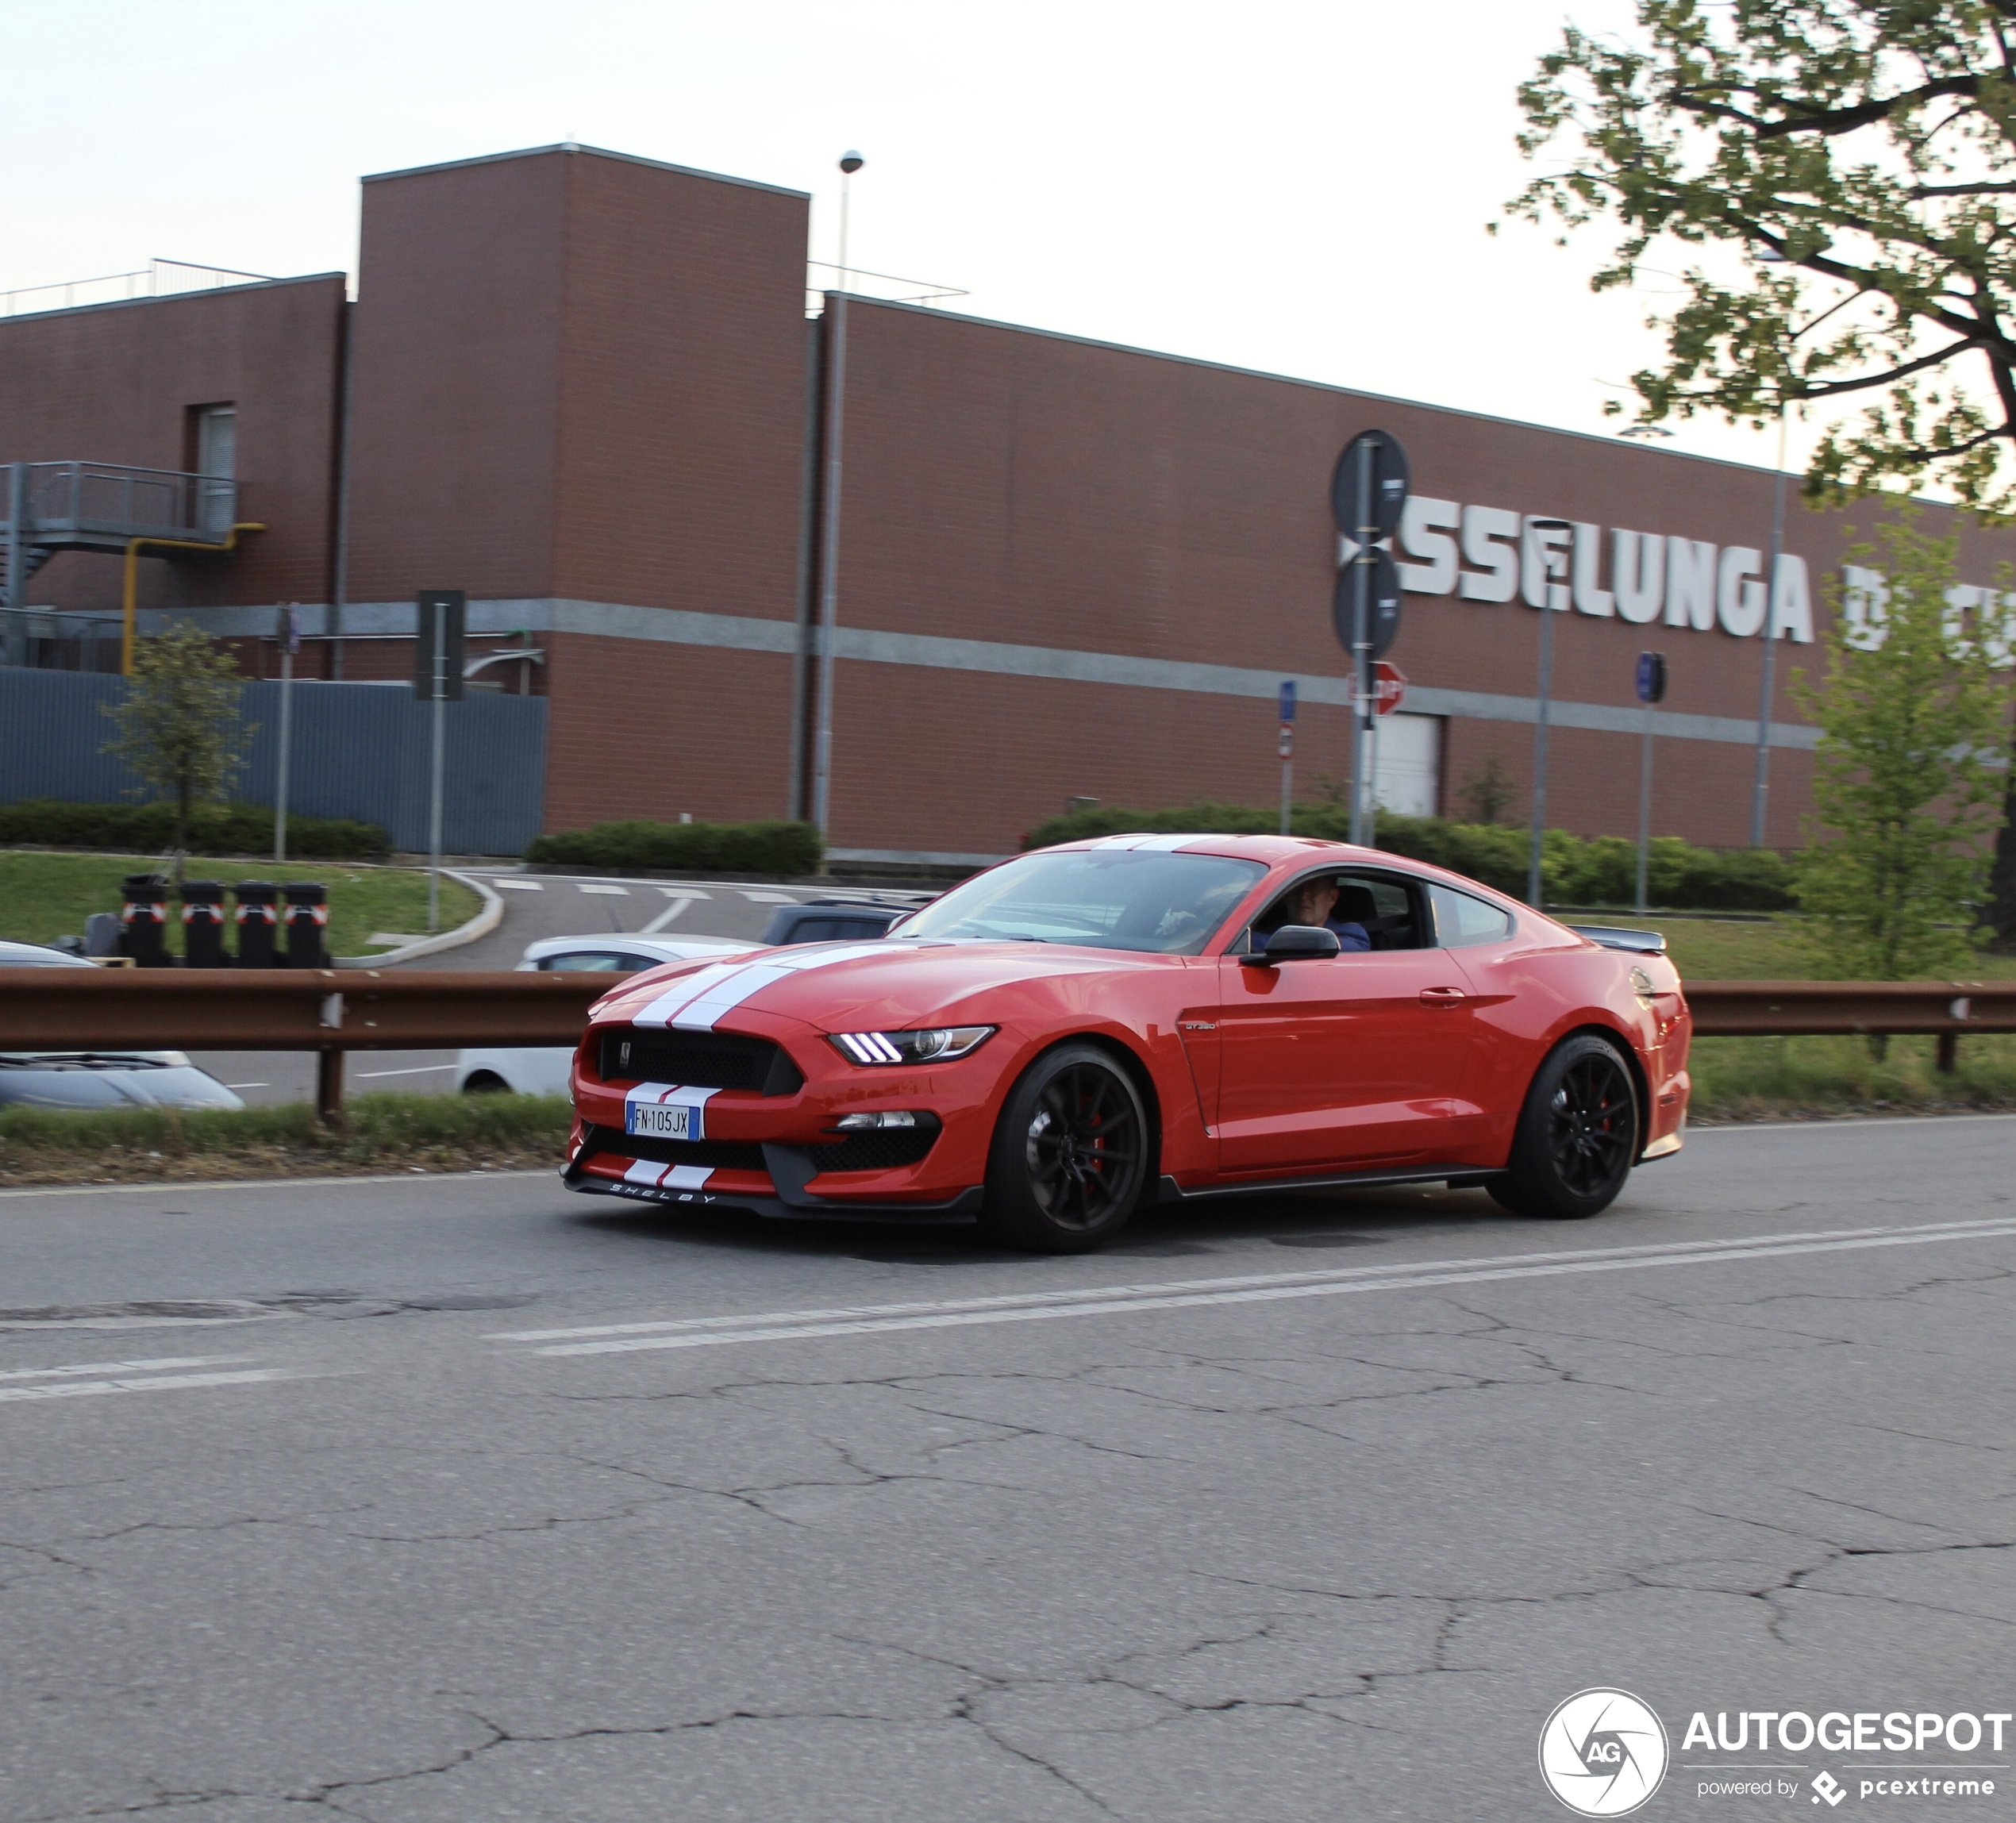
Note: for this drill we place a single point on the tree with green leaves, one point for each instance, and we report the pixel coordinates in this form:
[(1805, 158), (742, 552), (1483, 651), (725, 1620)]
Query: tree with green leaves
[(1914, 718), (1837, 180), (1844, 172), (180, 724)]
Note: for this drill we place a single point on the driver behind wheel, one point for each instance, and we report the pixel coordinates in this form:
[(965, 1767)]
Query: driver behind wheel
[(1312, 903)]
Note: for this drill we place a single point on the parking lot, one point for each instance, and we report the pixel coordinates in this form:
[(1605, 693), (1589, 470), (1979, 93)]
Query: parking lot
[(468, 1499)]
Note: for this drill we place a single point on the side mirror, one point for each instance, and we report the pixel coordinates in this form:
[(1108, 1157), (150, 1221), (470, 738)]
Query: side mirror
[(1293, 943)]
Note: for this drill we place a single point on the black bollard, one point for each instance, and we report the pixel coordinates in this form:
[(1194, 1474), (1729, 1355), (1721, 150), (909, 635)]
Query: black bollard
[(202, 924), (142, 920), (307, 919), (257, 922)]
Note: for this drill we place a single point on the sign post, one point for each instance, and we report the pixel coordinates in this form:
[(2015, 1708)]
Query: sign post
[(437, 678), (1652, 689), (1287, 749), (1368, 489), (290, 645)]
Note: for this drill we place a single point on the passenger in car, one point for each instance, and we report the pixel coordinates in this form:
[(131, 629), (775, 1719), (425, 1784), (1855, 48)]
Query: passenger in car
[(1312, 903)]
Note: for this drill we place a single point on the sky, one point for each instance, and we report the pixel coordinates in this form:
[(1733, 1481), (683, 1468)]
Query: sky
[(1298, 187)]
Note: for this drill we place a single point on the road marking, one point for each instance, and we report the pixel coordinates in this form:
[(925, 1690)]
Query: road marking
[(127, 1366), (607, 892), (517, 885), (248, 1085), (676, 909), (684, 893), (152, 1383), (1119, 1300), (414, 1069), (768, 898)]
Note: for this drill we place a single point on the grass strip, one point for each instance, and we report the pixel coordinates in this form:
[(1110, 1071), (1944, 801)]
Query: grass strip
[(46, 896), (1806, 1078), (381, 1132)]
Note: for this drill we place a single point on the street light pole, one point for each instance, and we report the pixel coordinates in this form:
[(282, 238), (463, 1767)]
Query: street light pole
[(822, 738), (1364, 786), (1760, 796)]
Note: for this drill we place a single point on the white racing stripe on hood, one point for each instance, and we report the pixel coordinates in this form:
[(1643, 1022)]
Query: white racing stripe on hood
[(698, 1011), (659, 1011)]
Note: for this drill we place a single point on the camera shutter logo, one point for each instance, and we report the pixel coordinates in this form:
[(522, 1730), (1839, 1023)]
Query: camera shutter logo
[(1602, 1753)]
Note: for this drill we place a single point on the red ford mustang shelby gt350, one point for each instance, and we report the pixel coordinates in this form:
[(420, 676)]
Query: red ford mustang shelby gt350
[(1138, 1018)]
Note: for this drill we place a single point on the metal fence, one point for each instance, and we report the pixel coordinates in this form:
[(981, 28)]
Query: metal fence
[(360, 750)]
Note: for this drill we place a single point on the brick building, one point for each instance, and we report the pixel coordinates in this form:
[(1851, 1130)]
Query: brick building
[(591, 390)]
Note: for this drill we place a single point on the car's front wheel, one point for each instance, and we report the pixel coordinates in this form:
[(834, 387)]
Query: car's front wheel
[(1578, 1134), (1070, 1157)]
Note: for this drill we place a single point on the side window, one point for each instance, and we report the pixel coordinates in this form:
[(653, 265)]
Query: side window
[(817, 930), (597, 962), (1460, 920)]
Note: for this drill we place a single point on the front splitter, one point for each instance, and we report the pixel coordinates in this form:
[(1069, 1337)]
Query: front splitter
[(965, 1207)]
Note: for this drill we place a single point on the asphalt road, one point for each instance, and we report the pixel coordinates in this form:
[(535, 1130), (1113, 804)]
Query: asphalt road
[(472, 1499), (536, 906)]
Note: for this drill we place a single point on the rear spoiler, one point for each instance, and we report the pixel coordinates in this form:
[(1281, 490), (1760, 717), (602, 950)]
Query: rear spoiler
[(1618, 937)]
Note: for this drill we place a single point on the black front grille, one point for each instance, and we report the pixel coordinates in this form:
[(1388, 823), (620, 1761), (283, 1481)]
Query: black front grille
[(698, 1060), (723, 1155), (884, 1149)]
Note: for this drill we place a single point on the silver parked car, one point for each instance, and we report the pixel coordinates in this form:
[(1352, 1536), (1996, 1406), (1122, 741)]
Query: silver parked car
[(99, 1079)]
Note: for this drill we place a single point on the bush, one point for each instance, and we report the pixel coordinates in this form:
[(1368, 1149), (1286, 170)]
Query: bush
[(644, 847), (231, 829), (1575, 870)]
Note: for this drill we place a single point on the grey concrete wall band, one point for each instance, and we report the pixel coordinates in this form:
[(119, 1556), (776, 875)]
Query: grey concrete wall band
[(680, 626)]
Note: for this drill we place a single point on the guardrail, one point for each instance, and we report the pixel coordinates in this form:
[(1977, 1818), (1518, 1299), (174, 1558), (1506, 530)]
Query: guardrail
[(365, 1009)]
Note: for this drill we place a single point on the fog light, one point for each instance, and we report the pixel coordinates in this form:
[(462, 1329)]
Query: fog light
[(869, 1123)]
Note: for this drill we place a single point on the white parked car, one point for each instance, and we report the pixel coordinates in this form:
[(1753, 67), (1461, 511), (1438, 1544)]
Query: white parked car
[(542, 1069)]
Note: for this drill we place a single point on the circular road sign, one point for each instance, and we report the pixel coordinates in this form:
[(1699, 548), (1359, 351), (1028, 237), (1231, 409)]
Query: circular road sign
[(1373, 460), (1389, 687), (1382, 603)]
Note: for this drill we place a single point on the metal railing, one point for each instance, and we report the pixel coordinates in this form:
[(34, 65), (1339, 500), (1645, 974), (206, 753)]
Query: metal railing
[(82, 502), (885, 287), (330, 1011), (158, 279)]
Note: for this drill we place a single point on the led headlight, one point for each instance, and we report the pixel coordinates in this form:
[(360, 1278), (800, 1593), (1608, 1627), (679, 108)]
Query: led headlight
[(937, 1044)]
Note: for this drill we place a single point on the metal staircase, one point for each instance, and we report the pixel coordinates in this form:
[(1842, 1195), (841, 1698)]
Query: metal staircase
[(53, 506)]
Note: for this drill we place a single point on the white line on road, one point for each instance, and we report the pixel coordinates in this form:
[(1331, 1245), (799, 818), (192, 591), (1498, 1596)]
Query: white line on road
[(787, 1325), (414, 1070), (676, 909), (610, 892), (154, 1383), (127, 1366), (517, 885), (766, 898)]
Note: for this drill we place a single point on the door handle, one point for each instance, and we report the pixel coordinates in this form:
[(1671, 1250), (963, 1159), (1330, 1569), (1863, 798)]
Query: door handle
[(1443, 996)]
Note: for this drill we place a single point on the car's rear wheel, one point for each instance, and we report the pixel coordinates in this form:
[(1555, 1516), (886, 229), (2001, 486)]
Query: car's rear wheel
[(486, 1082), (1578, 1134), (1071, 1154)]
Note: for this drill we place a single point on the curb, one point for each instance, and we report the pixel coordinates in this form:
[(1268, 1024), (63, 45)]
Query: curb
[(486, 921)]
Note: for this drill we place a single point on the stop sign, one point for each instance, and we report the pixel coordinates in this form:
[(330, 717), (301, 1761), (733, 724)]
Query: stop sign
[(1389, 687)]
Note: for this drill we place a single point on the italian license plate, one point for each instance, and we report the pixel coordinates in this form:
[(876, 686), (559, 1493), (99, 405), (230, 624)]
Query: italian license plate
[(660, 1120)]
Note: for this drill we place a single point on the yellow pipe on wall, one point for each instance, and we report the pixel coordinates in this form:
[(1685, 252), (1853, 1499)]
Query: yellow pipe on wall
[(132, 594)]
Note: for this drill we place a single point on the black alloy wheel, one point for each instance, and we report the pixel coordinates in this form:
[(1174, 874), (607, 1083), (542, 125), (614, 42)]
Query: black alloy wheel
[(1578, 1134), (1071, 1154)]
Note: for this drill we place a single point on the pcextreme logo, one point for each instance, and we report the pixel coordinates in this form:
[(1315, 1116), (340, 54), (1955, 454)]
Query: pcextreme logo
[(1602, 1752)]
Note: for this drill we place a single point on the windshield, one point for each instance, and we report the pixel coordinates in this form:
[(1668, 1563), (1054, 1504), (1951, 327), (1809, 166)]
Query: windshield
[(1106, 899)]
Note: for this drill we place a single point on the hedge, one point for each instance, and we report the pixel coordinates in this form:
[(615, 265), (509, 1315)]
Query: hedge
[(233, 829), (643, 847), (1575, 870)]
